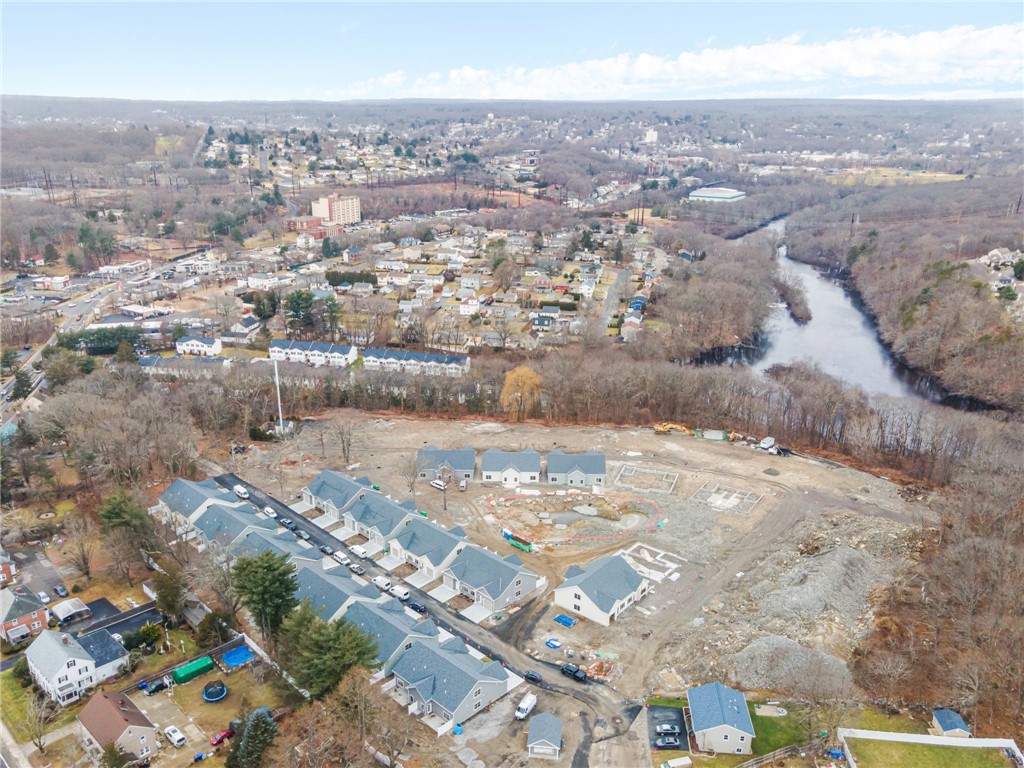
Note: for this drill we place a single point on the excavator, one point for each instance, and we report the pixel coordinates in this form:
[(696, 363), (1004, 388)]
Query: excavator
[(666, 428)]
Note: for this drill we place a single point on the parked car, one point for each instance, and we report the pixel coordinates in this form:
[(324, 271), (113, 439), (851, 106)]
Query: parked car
[(329, 551), (59, 591), (43, 597), (439, 484), (533, 677), (356, 568), (342, 559), (176, 737), (302, 535), (667, 742), (269, 511), (221, 737), (240, 492), (577, 674), (288, 524), (400, 592), (155, 687), (668, 729), (417, 606)]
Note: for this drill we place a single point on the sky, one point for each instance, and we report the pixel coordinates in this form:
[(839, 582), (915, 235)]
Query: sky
[(266, 51)]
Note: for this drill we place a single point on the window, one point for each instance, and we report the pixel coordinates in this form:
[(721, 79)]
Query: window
[(63, 679), (408, 646), (518, 582), (476, 692), (725, 737), (743, 738), (519, 592), (142, 738), (71, 663), (576, 608), (144, 751), (36, 624), (477, 705), (576, 596)]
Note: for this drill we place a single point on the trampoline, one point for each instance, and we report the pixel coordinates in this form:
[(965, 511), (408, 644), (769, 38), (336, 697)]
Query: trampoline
[(237, 657), (215, 691)]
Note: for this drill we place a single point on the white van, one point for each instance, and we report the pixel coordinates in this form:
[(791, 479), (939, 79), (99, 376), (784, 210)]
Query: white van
[(437, 484), (342, 559), (240, 492), (677, 762), (269, 512), (526, 706), (462, 484), (359, 552), (383, 583), (400, 592)]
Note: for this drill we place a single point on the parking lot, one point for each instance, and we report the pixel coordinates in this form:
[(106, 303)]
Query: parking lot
[(35, 571), (665, 717)]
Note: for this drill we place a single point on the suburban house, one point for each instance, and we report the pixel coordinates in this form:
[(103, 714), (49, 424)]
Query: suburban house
[(255, 541), (332, 492), (313, 353), (330, 592), (186, 500), (392, 627), (432, 462), (64, 667), (427, 363), (579, 469), (21, 614), (377, 518), (113, 718), (720, 719), (245, 330), (946, 722), (544, 737), (8, 569), (198, 345), (224, 525), (493, 582), (428, 546), (602, 590), (444, 682), (510, 467)]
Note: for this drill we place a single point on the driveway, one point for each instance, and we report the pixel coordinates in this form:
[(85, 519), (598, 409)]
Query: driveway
[(35, 571), (657, 715)]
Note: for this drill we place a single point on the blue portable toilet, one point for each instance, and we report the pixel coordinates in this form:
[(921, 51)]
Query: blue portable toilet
[(457, 730)]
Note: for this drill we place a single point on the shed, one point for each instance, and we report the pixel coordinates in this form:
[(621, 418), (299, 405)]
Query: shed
[(192, 670), (946, 722), (544, 738)]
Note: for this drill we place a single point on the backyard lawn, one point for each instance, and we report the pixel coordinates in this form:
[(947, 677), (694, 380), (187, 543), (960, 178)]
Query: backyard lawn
[(889, 754), (15, 708), (871, 719)]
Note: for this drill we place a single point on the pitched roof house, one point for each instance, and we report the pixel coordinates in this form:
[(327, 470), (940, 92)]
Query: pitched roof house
[(602, 590), (721, 720), (332, 593), (578, 469), (428, 546), (431, 461), (21, 614), (64, 667), (113, 718), (392, 627), (332, 492), (376, 517), (544, 737), (491, 581), (446, 683), (946, 722), (8, 569), (510, 467)]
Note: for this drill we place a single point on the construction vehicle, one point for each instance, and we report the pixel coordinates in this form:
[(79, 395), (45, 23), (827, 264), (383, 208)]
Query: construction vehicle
[(666, 428)]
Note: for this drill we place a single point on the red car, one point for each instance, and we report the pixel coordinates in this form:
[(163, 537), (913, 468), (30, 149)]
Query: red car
[(221, 737)]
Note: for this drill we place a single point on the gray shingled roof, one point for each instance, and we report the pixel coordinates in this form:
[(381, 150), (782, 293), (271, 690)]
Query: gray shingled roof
[(225, 524), (445, 672), (376, 511), (329, 591), (604, 581), (48, 654), (485, 571), (545, 728), (562, 463), (186, 496), (253, 542), (102, 647), (429, 540), (459, 459), (336, 487), (494, 460), (16, 602), (388, 624), (715, 704)]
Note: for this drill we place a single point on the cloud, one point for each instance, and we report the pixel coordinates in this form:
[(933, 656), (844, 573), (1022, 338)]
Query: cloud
[(957, 61)]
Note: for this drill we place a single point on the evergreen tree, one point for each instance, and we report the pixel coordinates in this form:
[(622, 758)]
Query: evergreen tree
[(266, 584)]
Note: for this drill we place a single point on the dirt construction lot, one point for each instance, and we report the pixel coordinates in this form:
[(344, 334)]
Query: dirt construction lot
[(759, 563)]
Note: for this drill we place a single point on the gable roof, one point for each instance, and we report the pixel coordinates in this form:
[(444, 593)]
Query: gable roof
[(16, 602), (388, 624), (253, 542), (376, 511), (108, 715), (495, 460), (204, 340), (589, 463), (102, 647), (445, 672), (425, 539), (604, 581), (485, 571), (225, 524), (329, 591), (337, 488), (186, 496), (545, 728), (714, 704), (948, 720), (51, 651), (458, 459), (404, 356)]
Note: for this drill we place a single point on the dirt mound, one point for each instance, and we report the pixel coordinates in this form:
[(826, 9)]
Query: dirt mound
[(834, 583), (776, 663)]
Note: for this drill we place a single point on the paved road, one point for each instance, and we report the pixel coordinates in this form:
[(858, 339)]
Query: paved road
[(604, 702), (615, 291)]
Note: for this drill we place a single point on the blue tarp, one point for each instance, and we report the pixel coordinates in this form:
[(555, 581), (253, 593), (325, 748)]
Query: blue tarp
[(565, 621)]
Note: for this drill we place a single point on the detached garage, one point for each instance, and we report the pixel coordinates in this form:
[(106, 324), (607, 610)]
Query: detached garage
[(544, 739)]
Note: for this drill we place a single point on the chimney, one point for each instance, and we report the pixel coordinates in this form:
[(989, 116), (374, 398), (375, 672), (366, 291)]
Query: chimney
[(64, 639)]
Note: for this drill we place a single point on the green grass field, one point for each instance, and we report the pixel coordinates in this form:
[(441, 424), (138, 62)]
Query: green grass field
[(888, 754)]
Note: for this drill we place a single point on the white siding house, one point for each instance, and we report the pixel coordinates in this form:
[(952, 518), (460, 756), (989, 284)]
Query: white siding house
[(510, 467), (720, 719), (198, 345), (602, 590)]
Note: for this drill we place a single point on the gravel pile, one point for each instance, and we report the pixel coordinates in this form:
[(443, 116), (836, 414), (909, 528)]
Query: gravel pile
[(835, 583), (775, 663)]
